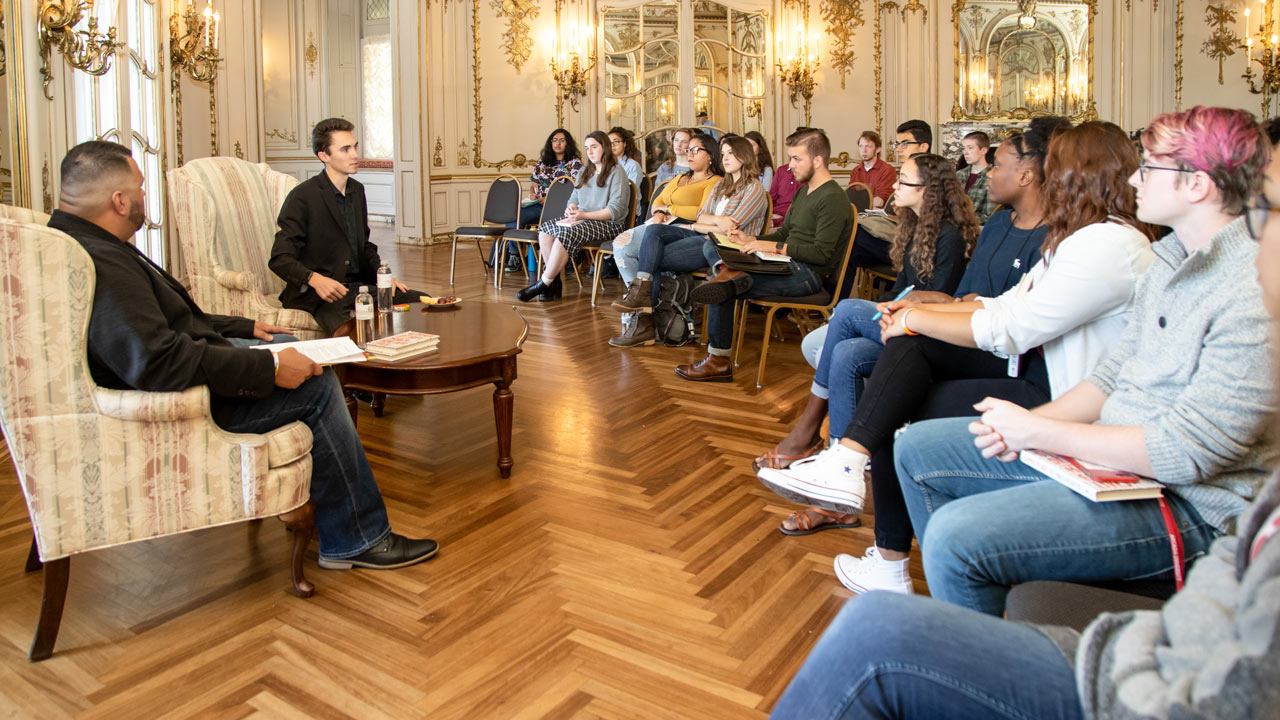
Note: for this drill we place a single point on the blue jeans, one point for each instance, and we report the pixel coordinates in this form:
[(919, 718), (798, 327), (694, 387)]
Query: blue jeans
[(849, 354), (350, 515), (904, 656), (985, 525), (801, 281), (671, 248)]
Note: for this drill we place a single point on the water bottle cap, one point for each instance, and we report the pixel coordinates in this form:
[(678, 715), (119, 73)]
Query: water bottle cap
[(364, 288)]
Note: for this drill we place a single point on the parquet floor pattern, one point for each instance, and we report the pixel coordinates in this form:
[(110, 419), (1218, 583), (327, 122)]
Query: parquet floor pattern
[(630, 568)]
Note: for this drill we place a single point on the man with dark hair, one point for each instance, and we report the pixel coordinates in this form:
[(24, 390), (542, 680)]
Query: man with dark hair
[(813, 237), (872, 171), (146, 333), (322, 250), (915, 137)]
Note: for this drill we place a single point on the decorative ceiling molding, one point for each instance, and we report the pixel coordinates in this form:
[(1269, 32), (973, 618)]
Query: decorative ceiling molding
[(516, 41)]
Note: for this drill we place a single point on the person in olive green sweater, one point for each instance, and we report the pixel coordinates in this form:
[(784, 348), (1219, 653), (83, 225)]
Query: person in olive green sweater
[(814, 236)]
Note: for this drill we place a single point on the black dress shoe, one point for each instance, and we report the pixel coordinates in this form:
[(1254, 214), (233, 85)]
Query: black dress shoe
[(554, 291), (396, 551), (532, 291)]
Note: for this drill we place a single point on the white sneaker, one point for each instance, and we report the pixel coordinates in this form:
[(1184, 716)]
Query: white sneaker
[(872, 572), (833, 479)]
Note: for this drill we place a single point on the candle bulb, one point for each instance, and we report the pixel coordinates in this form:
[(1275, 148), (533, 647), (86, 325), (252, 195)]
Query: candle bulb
[(217, 27)]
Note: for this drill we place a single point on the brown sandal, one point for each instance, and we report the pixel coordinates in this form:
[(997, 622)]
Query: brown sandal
[(812, 520), (777, 461)]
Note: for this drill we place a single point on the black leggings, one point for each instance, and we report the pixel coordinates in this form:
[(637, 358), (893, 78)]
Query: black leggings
[(919, 378)]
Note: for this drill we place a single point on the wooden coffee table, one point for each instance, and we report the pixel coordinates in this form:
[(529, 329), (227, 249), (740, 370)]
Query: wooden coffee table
[(479, 343)]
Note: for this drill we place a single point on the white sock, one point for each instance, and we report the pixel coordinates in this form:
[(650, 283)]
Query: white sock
[(849, 455), (547, 280)]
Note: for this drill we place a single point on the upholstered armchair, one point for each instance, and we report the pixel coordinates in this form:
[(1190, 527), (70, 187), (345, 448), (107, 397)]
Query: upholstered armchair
[(101, 467), (224, 210)]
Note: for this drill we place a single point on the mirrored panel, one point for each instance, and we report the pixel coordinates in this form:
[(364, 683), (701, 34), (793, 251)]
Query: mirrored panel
[(6, 168), (1017, 60)]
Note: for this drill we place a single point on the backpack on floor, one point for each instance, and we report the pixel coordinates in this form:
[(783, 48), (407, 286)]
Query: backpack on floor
[(673, 313)]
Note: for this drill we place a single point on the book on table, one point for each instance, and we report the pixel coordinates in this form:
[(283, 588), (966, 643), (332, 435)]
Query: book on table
[(327, 351), (402, 345), (1096, 482)]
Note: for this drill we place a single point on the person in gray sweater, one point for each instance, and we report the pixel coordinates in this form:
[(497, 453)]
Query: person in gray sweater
[(1213, 650), (1183, 396)]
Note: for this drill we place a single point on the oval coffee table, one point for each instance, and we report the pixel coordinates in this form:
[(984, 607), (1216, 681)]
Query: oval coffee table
[(479, 343)]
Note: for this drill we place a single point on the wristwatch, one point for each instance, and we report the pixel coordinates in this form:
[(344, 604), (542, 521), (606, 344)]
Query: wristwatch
[(779, 246)]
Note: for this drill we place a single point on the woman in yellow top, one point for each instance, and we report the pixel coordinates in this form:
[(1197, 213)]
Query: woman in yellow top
[(679, 202)]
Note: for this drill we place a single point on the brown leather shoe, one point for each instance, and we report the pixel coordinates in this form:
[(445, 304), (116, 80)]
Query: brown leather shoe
[(712, 368), (639, 298), (725, 286)]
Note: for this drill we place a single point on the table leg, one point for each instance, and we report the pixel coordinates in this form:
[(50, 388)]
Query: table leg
[(350, 397), (379, 403), (503, 404)]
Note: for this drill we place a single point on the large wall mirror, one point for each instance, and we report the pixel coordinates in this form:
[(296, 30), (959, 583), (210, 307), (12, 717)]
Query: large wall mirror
[(649, 48), (1017, 60)]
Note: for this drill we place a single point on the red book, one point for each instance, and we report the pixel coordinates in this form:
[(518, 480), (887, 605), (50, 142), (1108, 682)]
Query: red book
[(1096, 482)]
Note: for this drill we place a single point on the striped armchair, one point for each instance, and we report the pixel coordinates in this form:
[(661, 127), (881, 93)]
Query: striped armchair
[(102, 467), (224, 210)]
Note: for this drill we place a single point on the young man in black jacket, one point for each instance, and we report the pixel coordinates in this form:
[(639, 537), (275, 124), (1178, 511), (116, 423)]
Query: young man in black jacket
[(146, 333), (322, 250)]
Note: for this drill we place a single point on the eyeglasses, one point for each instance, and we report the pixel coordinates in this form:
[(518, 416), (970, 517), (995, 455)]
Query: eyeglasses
[(1143, 167), (616, 142), (903, 143), (1256, 216), (904, 183), (693, 150)]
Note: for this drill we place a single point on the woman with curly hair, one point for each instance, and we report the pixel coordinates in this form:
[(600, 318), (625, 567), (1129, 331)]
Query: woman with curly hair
[(1071, 307)]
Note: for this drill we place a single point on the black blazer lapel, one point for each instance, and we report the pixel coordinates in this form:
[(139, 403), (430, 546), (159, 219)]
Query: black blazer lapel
[(326, 194)]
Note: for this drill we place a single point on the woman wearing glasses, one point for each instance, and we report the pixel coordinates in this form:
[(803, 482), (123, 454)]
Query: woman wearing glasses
[(679, 202), (1046, 334), (622, 143)]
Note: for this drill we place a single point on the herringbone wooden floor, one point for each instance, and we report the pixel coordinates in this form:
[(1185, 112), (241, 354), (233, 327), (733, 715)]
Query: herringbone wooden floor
[(630, 568)]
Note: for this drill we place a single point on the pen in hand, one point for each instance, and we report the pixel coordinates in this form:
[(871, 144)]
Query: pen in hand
[(905, 292)]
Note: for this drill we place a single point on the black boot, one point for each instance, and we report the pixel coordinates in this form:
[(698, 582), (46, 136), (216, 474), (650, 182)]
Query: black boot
[(532, 291), (553, 291)]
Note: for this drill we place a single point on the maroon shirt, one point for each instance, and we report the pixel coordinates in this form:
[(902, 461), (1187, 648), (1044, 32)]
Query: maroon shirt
[(880, 178), (782, 190)]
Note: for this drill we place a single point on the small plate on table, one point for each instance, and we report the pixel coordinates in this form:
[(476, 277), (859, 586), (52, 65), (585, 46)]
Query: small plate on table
[(440, 303)]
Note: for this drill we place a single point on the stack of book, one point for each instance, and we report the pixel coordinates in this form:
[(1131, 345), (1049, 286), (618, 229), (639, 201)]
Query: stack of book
[(402, 345)]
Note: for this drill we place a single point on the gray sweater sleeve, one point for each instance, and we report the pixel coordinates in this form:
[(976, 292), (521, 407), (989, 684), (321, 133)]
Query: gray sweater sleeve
[(619, 194), (1223, 410)]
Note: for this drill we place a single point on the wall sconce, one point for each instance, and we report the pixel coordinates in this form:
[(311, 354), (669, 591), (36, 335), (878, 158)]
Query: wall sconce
[(1266, 82), (752, 102), (798, 61), (87, 50), (573, 57), (1077, 83), (193, 47)]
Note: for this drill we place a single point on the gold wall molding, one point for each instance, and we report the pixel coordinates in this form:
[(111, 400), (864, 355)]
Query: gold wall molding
[(311, 54), (515, 40), (289, 136), (477, 154), (464, 154), (239, 151), (1178, 23), (842, 17), (437, 155), (1223, 42), (46, 182), (15, 85), (2, 61)]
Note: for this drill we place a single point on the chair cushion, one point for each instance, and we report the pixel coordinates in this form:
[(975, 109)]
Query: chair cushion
[(481, 231), (287, 444), (607, 246), (521, 235)]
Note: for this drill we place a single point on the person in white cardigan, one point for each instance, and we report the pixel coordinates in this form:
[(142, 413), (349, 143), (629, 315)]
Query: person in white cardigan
[(1046, 333)]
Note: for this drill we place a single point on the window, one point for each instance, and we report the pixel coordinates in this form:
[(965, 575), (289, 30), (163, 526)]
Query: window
[(377, 136)]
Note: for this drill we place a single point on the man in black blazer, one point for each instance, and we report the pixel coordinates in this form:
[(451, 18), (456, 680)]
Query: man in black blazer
[(322, 250), (146, 333)]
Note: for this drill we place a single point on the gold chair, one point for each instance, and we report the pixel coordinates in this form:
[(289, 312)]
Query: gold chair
[(860, 195), (822, 302), (597, 253), (553, 206)]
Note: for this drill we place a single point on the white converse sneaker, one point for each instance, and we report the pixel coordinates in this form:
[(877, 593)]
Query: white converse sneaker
[(832, 479), (872, 572)]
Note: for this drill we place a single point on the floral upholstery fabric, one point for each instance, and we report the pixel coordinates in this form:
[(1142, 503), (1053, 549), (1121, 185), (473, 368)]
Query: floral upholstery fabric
[(225, 213), (102, 467)]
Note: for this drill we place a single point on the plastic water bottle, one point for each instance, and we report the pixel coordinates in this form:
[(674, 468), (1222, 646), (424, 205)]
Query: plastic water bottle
[(364, 317), (385, 292)]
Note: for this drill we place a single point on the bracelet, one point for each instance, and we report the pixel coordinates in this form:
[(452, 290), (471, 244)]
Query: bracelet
[(905, 328)]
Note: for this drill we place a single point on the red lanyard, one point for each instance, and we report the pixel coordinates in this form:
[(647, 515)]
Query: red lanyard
[(1175, 542)]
